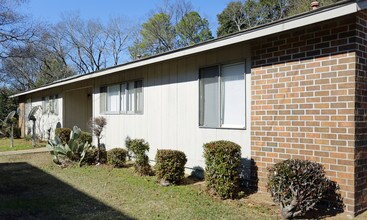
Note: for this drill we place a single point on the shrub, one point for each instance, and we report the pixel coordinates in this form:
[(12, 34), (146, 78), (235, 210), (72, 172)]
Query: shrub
[(17, 132), (85, 137), (297, 185), (170, 165), (63, 134), (91, 156), (222, 161), (117, 157), (127, 144), (139, 148)]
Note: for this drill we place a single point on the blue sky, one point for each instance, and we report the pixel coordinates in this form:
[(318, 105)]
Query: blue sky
[(134, 10)]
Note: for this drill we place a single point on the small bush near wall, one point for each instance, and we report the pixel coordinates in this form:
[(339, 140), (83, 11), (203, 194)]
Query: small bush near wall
[(222, 161), (85, 137), (170, 165), (117, 157), (139, 148), (297, 185), (91, 156), (127, 144), (63, 134)]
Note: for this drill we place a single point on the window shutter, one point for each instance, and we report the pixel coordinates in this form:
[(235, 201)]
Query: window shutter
[(102, 99)]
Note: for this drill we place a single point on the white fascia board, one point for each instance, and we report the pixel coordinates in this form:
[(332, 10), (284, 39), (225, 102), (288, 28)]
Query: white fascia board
[(265, 30)]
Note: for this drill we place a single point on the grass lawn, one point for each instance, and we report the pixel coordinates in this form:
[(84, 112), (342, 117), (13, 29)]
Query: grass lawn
[(32, 187), (19, 144)]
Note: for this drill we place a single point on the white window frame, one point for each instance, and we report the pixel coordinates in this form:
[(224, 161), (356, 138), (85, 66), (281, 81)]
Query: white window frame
[(107, 102), (220, 101), (49, 102), (126, 111)]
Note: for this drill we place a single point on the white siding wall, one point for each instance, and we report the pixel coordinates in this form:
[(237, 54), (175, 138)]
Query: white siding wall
[(46, 122), (171, 106)]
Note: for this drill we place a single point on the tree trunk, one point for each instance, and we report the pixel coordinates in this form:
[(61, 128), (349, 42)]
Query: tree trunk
[(98, 150)]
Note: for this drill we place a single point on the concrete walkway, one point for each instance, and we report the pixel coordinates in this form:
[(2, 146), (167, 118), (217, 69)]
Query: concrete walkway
[(30, 151)]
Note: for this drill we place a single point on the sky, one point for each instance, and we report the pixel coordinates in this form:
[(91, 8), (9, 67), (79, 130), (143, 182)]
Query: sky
[(133, 10)]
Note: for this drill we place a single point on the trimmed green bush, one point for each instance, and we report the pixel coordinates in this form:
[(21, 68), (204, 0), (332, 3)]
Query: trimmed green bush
[(63, 134), (139, 148), (297, 185), (91, 156), (170, 165), (85, 137), (222, 161), (117, 157)]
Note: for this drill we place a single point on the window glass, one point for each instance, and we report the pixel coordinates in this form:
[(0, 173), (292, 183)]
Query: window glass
[(233, 95), (139, 96), (222, 96), (123, 97), (45, 104), (131, 97), (113, 98), (103, 99), (209, 97)]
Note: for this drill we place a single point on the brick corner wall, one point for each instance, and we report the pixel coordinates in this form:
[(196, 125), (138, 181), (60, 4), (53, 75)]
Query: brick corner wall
[(361, 113), (303, 101)]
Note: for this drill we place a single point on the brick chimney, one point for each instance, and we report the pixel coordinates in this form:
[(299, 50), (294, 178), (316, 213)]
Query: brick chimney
[(315, 5)]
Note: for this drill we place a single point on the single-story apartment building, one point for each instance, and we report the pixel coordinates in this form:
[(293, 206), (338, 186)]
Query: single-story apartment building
[(294, 88)]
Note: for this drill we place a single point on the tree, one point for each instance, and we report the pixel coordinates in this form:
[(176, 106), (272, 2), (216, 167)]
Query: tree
[(97, 125), (232, 19), (117, 33), (89, 45), (13, 26), (32, 66), (192, 29), (7, 104), (86, 42), (136, 49), (300, 6), (158, 34), (243, 14), (240, 15), (173, 26)]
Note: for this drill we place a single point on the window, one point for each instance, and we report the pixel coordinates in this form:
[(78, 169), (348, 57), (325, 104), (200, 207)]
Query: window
[(50, 104), (125, 98), (222, 96)]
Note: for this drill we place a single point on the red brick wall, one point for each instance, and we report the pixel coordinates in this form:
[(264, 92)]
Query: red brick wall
[(303, 101), (361, 113)]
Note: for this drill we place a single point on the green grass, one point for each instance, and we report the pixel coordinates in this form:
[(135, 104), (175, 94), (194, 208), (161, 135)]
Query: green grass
[(19, 144), (32, 187)]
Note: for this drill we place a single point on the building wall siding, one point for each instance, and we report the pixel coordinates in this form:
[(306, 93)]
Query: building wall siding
[(303, 101), (171, 106)]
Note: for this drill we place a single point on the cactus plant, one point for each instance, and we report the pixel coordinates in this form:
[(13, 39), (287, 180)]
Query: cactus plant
[(73, 150)]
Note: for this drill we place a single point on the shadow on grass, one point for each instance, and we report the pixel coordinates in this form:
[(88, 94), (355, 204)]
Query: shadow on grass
[(27, 192)]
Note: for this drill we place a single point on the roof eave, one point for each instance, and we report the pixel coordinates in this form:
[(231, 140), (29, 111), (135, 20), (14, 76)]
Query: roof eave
[(322, 14)]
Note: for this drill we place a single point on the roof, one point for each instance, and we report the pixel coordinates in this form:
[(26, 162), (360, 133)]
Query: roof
[(322, 14)]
